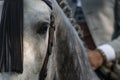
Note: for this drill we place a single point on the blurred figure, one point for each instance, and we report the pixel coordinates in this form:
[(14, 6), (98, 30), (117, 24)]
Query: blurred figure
[(102, 37)]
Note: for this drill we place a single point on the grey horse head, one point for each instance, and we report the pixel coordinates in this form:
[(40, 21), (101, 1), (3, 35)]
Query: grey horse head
[(70, 63), (35, 39)]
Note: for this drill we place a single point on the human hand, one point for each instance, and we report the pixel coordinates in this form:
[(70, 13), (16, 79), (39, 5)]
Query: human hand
[(96, 59)]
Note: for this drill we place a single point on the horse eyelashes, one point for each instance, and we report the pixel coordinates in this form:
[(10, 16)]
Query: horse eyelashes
[(42, 29)]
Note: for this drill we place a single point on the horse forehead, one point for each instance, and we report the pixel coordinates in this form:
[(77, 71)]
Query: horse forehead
[(38, 9), (37, 5)]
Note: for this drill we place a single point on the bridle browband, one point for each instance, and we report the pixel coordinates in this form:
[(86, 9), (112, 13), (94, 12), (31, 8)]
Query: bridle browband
[(43, 72)]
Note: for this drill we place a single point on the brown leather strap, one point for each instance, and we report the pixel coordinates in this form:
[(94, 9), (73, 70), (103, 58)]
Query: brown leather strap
[(87, 37), (43, 72)]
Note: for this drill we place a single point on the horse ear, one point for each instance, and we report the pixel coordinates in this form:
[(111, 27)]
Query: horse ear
[(11, 36)]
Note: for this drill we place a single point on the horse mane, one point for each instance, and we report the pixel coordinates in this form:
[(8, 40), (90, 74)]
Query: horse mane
[(68, 12)]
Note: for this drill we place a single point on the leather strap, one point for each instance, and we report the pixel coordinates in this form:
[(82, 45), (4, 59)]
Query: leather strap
[(87, 37), (48, 2), (43, 72)]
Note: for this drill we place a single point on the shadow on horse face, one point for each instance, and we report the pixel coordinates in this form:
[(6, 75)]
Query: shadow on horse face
[(36, 30)]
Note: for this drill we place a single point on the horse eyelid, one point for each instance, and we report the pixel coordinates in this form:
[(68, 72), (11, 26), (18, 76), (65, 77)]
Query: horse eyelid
[(42, 28)]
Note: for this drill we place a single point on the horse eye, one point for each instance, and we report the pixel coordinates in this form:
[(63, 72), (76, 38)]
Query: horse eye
[(43, 28)]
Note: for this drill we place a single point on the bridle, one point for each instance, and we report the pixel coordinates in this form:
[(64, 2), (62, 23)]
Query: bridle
[(43, 72)]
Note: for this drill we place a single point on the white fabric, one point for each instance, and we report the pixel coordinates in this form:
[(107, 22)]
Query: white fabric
[(108, 51), (79, 3)]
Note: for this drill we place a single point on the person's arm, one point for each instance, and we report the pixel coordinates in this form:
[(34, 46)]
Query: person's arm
[(110, 50), (105, 53), (116, 46)]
